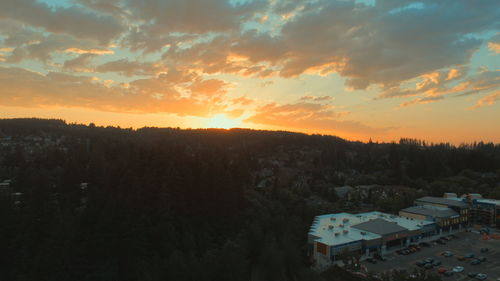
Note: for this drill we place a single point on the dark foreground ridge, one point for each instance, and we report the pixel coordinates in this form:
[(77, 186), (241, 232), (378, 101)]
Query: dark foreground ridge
[(84, 202)]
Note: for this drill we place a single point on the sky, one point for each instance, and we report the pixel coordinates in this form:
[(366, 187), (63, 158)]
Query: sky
[(379, 69)]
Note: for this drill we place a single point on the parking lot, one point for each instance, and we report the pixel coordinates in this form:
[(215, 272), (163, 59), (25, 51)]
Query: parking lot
[(465, 243)]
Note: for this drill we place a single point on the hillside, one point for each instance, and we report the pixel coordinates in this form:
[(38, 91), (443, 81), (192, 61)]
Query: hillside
[(96, 203)]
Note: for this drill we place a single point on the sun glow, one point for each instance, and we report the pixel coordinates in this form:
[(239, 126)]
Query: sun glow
[(221, 121)]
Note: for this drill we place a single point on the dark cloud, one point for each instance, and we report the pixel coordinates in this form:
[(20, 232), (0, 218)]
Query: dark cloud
[(131, 68), (37, 46), (385, 44), (72, 20), (80, 63)]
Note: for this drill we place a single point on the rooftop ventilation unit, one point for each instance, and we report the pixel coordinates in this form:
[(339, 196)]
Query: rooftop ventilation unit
[(333, 219), (346, 231), (345, 220), (330, 227), (341, 225), (337, 233), (363, 233)]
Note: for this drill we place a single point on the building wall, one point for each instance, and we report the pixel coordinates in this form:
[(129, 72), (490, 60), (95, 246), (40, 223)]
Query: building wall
[(350, 247), (411, 215), (321, 248)]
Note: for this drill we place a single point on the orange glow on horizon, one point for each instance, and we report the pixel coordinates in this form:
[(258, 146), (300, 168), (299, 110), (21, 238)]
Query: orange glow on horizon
[(221, 121)]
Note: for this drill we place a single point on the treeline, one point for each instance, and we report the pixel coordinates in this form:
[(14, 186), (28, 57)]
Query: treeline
[(171, 204)]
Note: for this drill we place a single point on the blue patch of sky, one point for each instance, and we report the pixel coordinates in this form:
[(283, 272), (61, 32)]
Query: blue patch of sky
[(57, 3), (367, 2), (412, 6), (484, 58), (236, 3)]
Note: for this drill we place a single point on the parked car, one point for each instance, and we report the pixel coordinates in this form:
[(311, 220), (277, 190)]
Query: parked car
[(371, 260), (469, 255), (436, 263), (413, 246), (442, 270), (439, 241), (428, 266), (428, 260), (458, 269), (475, 262), (484, 250), (481, 276), (461, 258), (472, 274), (448, 273), (420, 263), (447, 254), (481, 259)]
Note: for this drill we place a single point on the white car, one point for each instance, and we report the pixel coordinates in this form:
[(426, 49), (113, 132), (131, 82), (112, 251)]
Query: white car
[(458, 269), (481, 276)]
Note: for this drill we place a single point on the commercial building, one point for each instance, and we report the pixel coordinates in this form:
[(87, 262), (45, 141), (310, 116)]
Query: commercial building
[(363, 234), (445, 218), (482, 210), (449, 204), (473, 208)]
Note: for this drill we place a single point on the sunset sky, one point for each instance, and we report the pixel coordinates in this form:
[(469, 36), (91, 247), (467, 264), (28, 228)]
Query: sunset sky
[(357, 69)]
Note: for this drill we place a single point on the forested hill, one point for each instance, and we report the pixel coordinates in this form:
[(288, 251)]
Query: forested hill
[(95, 203)]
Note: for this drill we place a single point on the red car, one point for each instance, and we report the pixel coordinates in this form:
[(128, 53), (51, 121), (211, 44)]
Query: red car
[(442, 270)]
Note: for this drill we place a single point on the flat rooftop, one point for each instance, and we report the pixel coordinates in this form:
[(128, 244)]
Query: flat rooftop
[(489, 201), (442, 201), (380, 227), (342, 228), (432, 211)]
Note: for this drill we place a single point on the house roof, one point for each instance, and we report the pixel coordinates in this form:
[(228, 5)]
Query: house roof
[(431, 211), (380, 227), (442, 201)]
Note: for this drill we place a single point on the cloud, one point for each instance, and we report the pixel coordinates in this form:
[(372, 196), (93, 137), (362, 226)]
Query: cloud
[(317, 99), (242, 101), (210, 87), (131, 68), (192, 16), (424, 100), (306, 115), (89, 51), (30, 44), (80, 63), (488, 100), (435, 86), (494, 44), (105, 6), (400, 48), (24, 88), (72, 20), (384, 44)]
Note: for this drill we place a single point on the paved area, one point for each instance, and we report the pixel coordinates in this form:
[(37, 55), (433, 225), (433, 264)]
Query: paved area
[(466, 242)]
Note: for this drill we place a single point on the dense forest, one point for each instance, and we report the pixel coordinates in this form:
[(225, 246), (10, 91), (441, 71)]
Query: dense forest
[(105, 203)]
